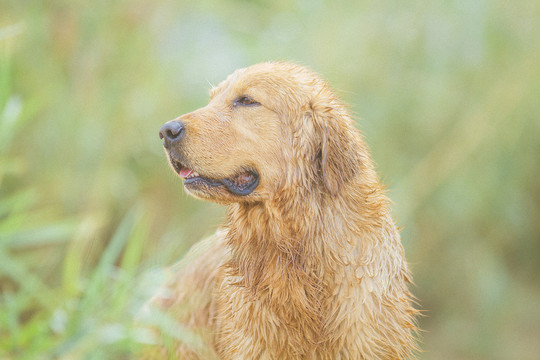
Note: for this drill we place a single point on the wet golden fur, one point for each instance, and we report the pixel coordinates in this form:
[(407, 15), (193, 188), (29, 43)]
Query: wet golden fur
[(308, 266)]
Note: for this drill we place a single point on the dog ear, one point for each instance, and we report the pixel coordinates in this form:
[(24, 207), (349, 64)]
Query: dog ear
[(339, 150)]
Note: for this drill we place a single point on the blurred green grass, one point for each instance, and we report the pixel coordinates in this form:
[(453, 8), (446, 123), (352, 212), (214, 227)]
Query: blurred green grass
[(447, 93)]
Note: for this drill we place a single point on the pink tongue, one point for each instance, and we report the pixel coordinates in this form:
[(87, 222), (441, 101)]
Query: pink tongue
[(185, 172)]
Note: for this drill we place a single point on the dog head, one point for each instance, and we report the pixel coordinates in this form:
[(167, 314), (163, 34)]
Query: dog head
[(268, 126)]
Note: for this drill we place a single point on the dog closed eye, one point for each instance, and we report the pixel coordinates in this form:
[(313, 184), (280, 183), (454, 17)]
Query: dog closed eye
[(245, 101)]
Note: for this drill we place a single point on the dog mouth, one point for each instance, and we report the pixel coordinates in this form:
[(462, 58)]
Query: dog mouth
[(242, 183)]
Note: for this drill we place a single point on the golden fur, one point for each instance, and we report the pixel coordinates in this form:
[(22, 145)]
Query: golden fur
[(307, 266)]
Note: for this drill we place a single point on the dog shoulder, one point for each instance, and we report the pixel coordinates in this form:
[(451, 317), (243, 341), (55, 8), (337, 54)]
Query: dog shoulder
[(194, 275), (183, 309)]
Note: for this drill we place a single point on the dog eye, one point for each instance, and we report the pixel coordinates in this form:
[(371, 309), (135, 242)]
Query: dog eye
[(245, 101)]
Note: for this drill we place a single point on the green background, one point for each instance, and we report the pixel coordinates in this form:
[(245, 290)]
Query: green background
[(446, 92)]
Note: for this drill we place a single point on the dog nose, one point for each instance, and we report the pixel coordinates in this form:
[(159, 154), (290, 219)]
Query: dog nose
[(171, 131)]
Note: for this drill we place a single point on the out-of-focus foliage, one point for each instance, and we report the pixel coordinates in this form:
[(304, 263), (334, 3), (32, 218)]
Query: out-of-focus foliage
[(447, 93)]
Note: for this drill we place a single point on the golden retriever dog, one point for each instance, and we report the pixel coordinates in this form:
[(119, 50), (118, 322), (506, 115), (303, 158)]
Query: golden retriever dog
[(309, 263)]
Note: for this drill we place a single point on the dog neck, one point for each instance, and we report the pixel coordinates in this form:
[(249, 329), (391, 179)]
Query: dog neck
[(306, 271), (270, 239), (291, 258)]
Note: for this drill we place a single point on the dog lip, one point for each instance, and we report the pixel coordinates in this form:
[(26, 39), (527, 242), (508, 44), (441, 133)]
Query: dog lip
[(241, 184), (177, 165), (182, 170), (199, 180)]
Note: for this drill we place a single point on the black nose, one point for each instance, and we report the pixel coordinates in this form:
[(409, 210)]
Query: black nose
[(172, 131)]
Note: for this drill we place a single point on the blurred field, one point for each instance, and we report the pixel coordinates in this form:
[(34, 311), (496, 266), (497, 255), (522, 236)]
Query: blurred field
[(446, 92)]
